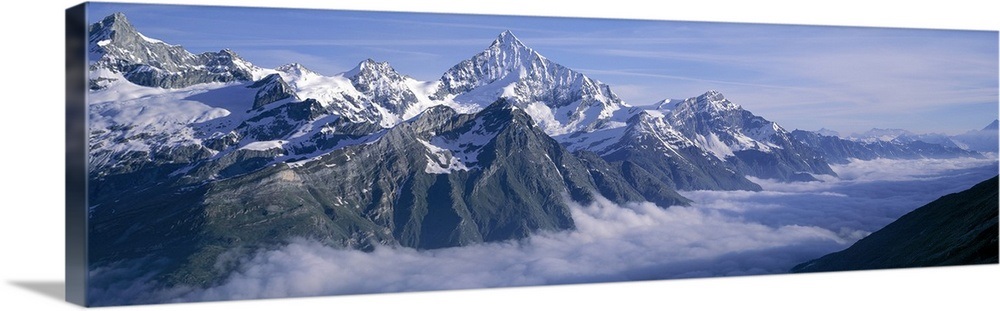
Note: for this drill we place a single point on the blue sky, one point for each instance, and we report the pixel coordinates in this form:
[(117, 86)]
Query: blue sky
[(848, 79)]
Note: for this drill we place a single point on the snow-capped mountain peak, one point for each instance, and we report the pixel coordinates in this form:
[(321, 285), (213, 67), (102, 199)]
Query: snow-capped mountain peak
[(227, 60), (508, 46), (389, 90), (711, 101), (507, 36), (117, 51), (712, 118), (111, 26), (115, 37), (747, 141), (115, 26), (558, 99), (370, 66), (507, 58), (296, 70)]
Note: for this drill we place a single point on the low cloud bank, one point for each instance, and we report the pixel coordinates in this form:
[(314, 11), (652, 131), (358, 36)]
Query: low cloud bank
[(611, 243), (867, 195)]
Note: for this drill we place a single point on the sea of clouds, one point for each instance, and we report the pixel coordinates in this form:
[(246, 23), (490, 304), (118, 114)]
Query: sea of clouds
[(723, 233)]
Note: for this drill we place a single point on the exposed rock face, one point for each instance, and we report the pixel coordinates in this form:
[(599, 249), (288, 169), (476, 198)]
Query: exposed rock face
[(117, 47), (648, 148), (270, 89), (383, 85)]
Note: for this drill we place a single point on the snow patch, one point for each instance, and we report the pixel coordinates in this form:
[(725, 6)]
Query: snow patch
[(265, 145), (655, 113), (713, 145), (441, 160), (600, 141), (126, 117), (150, 40), (544, 118), (462, 150)]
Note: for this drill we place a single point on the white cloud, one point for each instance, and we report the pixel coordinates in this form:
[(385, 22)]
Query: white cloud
[(898, 170), (611, 243)]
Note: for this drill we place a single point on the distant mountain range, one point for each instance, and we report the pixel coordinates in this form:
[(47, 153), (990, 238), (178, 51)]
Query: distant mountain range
[(839, 150), (204, 153), (983, 140)]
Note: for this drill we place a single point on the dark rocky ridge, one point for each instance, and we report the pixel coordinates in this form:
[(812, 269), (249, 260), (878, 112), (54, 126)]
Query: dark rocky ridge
[(271, 89), (956, 229)]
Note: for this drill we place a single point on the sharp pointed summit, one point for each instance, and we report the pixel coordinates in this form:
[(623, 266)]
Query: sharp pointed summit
[(711, 101), (506, 58), (367, 66), (117, 51), (507, 35), (114, 32), (562, 100), (992, 126), (508, 41), (110, 26), (294, 69)]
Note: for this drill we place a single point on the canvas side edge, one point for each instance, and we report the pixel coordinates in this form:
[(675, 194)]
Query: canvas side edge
[(76, 156)]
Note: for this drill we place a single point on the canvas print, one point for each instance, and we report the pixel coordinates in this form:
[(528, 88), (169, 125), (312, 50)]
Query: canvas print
[(242, 153)]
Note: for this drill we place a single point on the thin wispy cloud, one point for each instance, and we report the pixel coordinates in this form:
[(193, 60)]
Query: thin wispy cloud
[(679, 56), (805, 71), (848, 79), (322, 42), (405, 52), (277, 57), (468, 24), (640, 73)]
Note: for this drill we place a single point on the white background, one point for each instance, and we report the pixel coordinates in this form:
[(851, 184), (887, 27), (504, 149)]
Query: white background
[(32, 121)]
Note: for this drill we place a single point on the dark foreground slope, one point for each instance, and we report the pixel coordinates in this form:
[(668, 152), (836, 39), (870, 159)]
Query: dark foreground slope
[(956, 229)]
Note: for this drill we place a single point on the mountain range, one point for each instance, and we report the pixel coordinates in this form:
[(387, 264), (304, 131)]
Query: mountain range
[(206, 153)]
